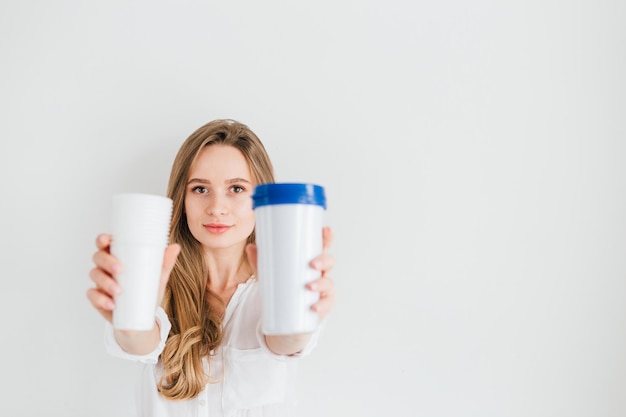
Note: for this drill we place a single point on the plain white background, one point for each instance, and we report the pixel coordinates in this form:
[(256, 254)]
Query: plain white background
[(473, 155)]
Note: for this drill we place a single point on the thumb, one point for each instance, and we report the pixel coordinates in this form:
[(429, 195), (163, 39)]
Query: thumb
[(327, 237), (251, 253), (169, 260)]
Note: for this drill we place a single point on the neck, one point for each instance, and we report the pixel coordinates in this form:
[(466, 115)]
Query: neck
[(224, 284), (226, 270)]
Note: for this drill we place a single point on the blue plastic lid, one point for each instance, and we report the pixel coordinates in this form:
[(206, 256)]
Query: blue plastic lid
[(288, 193)]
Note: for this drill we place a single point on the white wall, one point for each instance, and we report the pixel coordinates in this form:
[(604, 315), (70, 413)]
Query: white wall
[(473, 156)]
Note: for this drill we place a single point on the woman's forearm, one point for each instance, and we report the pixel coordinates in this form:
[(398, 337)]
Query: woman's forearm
[(287, 344), (138, 342)]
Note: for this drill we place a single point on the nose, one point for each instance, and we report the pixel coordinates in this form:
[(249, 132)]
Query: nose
[(216, 206)]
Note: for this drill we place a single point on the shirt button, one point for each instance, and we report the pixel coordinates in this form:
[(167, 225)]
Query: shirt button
[(202, 402)]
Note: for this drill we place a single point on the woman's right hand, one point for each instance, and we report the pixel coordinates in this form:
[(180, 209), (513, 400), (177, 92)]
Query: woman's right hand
[(107, 267)]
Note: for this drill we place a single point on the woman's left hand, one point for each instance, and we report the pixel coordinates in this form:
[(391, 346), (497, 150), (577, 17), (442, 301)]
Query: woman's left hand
[(324, 285), (323, 263)]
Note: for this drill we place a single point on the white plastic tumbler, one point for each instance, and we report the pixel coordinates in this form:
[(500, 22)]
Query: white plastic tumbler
[(140, 225), (289, 222)]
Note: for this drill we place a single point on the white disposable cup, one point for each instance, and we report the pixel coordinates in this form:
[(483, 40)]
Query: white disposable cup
[(140, 226), (289, 222)]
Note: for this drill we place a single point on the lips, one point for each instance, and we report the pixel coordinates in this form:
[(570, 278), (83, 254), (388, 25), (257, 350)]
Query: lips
[(216, 228)]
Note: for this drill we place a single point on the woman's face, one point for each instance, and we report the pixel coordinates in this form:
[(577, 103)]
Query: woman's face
[(218, 198)]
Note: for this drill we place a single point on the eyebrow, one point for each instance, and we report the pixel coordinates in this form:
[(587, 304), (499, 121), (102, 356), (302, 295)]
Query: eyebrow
[(229, 181)]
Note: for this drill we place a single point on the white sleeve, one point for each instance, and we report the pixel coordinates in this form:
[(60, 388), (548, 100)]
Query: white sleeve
[(114, 349)]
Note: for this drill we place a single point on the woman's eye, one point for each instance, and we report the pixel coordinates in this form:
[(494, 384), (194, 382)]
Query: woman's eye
[(237, 189), (199, 189)]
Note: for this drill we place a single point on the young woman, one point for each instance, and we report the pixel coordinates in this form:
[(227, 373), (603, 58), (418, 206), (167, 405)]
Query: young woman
[(206, 355)]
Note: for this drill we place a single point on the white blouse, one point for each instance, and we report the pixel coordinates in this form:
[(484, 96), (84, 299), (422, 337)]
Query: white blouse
[(245, 378)]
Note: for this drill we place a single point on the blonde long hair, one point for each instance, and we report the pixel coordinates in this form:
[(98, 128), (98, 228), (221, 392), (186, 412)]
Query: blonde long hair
[(196, 326)]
